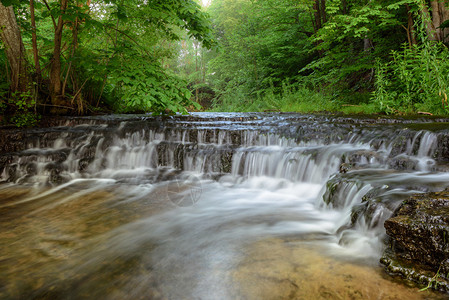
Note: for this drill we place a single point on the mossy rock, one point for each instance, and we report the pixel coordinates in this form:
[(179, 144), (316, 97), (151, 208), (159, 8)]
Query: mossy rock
[(418, 245)]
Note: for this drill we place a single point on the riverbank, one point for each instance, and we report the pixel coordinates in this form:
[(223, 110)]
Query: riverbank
[(300, 99)]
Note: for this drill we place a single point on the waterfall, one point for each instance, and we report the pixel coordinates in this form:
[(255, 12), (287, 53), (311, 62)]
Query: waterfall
[(222, 180), (138, 148)]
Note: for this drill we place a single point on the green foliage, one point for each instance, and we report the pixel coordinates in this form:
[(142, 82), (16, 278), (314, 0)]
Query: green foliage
[(131, 68), (262, 44), (114, 53), (25, 119), (147, 87), (416, 79), (289, 98), (22, 106), (268, 45), (382, 96), (13, 2), (434, 282), (140, 55), (17, 107), (350, 42), (4, 84)]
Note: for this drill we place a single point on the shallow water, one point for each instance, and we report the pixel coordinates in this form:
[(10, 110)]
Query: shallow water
[(260, 239), (135, 226)]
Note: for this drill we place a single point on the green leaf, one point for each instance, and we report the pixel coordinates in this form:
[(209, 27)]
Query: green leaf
[(445, 24), (12, 2)]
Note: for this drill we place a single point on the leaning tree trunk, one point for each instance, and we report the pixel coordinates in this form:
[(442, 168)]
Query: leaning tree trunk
[(410, 29), (57, 98), (34, 41), (15, 51)]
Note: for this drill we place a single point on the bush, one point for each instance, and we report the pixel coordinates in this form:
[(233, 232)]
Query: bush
[(287, 98), (415, 80)]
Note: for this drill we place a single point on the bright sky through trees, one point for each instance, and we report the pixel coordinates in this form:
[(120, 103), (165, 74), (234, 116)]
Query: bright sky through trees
[(206, 3)]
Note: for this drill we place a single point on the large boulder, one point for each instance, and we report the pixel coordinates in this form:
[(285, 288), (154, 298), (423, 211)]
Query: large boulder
[(418, 243)]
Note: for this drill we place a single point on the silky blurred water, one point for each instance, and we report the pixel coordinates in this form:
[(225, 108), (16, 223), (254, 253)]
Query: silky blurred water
[(181, 214), (259, 238)]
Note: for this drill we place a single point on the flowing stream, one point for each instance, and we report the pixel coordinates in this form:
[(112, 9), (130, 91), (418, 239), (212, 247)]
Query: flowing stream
[(211, 206)]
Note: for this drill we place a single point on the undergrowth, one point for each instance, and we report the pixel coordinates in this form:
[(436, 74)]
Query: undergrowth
[(287, 98)]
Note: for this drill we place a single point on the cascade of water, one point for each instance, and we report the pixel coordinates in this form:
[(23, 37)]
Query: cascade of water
[(111, 197), (137, 150)]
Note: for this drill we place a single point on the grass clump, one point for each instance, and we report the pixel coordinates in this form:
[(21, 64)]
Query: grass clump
[(287, 98)]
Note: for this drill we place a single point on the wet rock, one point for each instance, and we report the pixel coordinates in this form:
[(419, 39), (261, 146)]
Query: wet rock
[(418, 247), (31, 169), (57, 178), (338, 188), (56, 173), (193, 136), (345, 167), (12, 172), (60, 156), (179, 156), (362, 157), (11, 141), (5, 160), (368, 206), (163, 151), (236, 138), (398, 141), (226, 162), (402, 162), (84, 163)]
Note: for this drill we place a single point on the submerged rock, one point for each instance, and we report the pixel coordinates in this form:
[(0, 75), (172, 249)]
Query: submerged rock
[(418, 245)]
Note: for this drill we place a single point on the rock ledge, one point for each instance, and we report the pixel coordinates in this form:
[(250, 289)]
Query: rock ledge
[(418, 240)]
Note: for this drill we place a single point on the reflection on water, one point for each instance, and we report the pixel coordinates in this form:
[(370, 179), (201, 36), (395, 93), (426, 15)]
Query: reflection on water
[(45, 236), (261, 238), (292, 269)]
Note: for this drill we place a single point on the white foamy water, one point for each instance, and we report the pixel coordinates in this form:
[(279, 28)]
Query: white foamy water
[(176, 213)]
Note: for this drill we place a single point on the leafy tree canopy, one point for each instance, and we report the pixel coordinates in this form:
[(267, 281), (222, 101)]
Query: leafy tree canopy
[(105, 51)]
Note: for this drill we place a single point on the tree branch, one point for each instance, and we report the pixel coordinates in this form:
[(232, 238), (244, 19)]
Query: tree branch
[(49, 9), (79, 90), (131, 38)]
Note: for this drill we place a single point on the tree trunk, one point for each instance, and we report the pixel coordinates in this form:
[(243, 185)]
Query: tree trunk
[(319, 18), (76, 87), (425, 17), (440, 13), (57, 98), (445, 30), (323, 11), (196, 71), (344, 7), (410, 27), (15, 51), (317, 15), (34, 41), (445, 9), (436, 19), (71, 70), (367, 44)]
